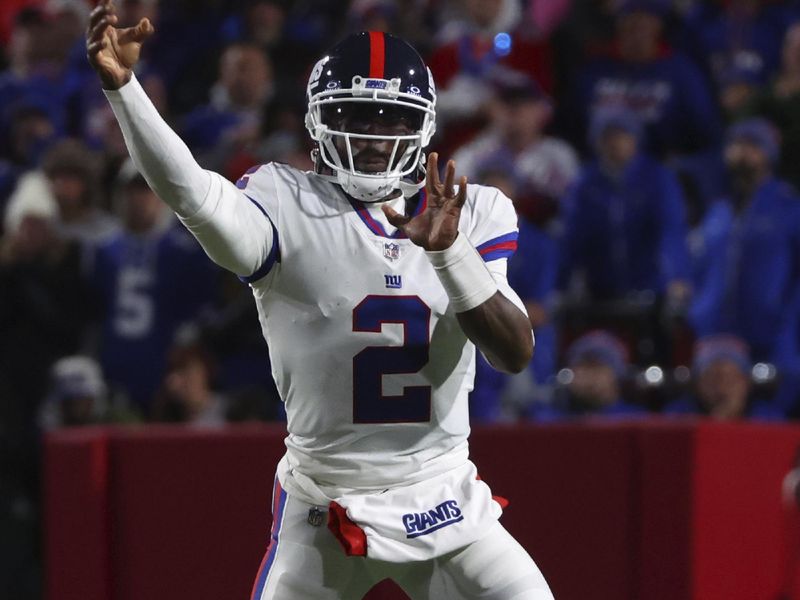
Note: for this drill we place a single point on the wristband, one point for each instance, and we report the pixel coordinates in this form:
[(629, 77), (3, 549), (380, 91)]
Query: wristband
[(463, 274)]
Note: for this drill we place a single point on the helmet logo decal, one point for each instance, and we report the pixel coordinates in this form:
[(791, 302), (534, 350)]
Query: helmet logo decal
[(316, 73)]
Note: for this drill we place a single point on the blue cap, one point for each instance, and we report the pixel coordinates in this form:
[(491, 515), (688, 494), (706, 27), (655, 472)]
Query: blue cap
[(717, 347), (757, 131), (738, 73), (613, 117), (600, 346)]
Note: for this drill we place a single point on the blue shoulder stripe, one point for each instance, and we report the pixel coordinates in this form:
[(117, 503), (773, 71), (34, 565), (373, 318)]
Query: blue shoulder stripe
[(274, 252), (502, 246)]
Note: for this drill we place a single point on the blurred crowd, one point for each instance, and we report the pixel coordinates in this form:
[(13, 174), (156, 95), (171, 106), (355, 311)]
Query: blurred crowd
[(650, 147)]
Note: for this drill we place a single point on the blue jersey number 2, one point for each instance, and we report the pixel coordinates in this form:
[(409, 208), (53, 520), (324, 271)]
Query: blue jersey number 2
[(370, 405)]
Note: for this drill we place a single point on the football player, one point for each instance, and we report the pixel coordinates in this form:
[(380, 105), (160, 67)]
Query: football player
[(374, 283)]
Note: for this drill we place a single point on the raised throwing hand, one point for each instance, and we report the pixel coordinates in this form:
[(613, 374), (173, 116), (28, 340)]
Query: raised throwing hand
[(111, 51)]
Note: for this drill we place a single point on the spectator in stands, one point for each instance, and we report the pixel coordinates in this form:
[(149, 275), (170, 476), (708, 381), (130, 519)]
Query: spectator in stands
[(408, 19), (29, 129), (149, 278), (283, 139), (79, 396), (723, 384), (71, 173), (480, 38), (586, 32), (743, 33), (779, 102), (598, 365), (749, 268), (31, 195), (737, 89), (541, 166), (44, 306), (265, 23), (233, 118), (624, 220), (666, 90), (34, 72), (186, 394)]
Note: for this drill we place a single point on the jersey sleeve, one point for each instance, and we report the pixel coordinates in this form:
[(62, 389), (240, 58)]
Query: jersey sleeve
[(258, 184), (493, 228), (493, 231)]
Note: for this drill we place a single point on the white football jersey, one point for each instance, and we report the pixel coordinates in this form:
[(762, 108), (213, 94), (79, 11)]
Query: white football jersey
[(371, 363)]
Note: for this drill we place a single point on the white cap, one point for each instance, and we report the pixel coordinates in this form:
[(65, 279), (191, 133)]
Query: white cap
[(31, 197), (77, 376)]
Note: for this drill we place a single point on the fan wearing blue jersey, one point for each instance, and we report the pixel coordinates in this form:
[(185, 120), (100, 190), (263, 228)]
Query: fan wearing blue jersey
[(150, 278), (375, 281)]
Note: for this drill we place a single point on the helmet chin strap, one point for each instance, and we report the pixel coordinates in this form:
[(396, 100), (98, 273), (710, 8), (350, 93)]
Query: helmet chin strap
[(368, 189), (371, 191), (408, 188)]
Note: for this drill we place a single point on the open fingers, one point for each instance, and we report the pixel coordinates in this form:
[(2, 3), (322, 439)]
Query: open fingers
[(99, 12), (97, 39), (433, 170), (95, 47), (461, 198), (98, 32), (449, 178)]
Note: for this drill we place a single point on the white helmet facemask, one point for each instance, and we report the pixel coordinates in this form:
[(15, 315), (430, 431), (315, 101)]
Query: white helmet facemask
[(335, 147)]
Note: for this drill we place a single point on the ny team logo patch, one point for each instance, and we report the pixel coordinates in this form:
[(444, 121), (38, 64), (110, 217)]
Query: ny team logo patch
[(393, 282), (423, 523), (391, 250)]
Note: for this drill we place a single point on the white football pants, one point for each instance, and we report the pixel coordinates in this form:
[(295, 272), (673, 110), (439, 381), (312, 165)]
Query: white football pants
[(306, 562)]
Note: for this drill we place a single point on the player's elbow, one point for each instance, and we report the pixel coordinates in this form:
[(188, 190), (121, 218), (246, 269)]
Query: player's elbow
[(516, 357), (522, 358)]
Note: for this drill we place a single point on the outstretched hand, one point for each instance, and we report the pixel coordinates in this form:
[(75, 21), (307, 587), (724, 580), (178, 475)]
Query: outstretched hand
[(435, 228), (111, 51)]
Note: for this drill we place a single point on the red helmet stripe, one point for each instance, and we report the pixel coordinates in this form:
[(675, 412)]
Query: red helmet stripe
[(377, 55)]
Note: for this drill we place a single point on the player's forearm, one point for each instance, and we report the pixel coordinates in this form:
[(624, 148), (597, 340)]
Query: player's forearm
[(232, 231), (501, 331), (490, 320), (157, 151)]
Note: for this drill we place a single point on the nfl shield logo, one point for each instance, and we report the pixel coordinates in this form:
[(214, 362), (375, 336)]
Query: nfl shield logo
[(315, 516), (391, 250)]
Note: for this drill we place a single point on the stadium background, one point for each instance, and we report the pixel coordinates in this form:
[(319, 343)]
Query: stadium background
[(112, 320)]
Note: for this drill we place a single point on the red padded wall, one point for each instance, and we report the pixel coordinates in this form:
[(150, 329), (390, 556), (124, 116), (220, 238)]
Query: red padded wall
[(77, 515), (573, 506), (665, 455), (738, 525), (191, 516), (668, 510)]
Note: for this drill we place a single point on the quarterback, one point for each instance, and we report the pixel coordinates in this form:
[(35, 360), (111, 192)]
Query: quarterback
[(375, 281)]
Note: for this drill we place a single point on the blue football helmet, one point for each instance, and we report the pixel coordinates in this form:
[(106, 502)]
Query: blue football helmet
[(372, 75)]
